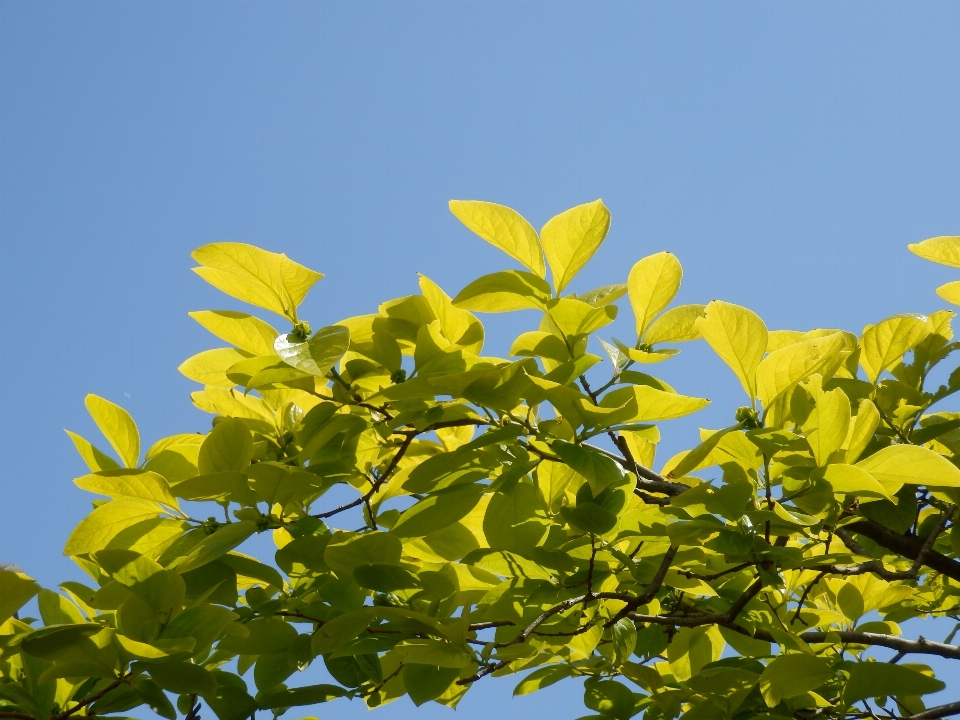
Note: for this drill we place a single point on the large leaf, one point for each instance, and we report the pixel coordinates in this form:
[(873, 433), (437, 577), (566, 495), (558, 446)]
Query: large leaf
[(912, 465), (260, 277), (875, 679), (944, 250), (99, 527), (571, 238), (790, 675), (117, 426), (738, 336), (784, 368), (504, 291), (653, 283), (459, 326), (128, 483), (225, 539), (883, 344), (16, 589), (210, 367), (438, 511), (678, 324), (503, 228)]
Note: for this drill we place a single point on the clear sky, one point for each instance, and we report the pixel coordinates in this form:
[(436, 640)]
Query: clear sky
[(786, 152)]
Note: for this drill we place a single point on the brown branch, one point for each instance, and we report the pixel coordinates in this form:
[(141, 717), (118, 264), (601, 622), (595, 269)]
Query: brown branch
[(651, 590), (906, 545), (921, 646), (937, 712), (92, 699), (15, 714), (491, 624), (735, 568), (194, 713), (803, 597), (647, 479)]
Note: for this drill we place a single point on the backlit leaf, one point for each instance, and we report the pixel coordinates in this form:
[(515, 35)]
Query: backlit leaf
[(503, 228), (571, 238)]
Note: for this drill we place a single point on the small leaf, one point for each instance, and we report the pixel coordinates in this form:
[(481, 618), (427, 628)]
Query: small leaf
[(117, 426), (950, 292), (318, 354), (653, 283)]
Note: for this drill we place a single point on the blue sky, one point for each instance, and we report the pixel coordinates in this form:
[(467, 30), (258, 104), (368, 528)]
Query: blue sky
[(786, 152)]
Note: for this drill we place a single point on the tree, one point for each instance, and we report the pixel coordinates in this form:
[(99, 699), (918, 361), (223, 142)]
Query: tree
[(511, 519)]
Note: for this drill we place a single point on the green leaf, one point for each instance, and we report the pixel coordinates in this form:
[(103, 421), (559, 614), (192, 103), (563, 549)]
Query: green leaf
[(182, 677), (458, 326), (226, 538), (228, 447), (853, 480), (295, 697), (504, 291), (427, 651), (262, 278), (653, 284), (541, 678), (944, 250), (950, 292), (117, 426), (599, 470), (876, 679), (610, 699), (678, 324), (99, 527), (790, 675), (503, 228), (654, 404), (95, 459), (514, 519), (912, 465), (738, 336), (210, 367), (437, 511), (16, 589), (827, 425), (55, 609), (384, 577), (883, 344), (347, 551), (317, 355), (427, 682), (571, 238), (128, 483), (245, 331)]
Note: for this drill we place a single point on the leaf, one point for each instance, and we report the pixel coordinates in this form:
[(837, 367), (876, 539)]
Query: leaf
[(912, 465), (950, 292), (346, 551), (601, 296), (541, 678), (16, 589), (427, 651), (504, 291), (678, 324), (654, 404), (876, 679), (653, 283), (437, 511), (228, 447), (260, 277), (784, 368), (318, 354), (426, 682), (226, 538), (128, 483), (826, 427), (692, 648), (861, 432), (790, 675), (245, 331), (503, 228), (571, 238), (117, 426), (182, 677), (306, 695), (457, 325), (55, 609), (599, 470), (885, 343), (738, 336), (95, 459), (852, 480), (99, 527), (944, 250), (384, 577), (210, 367)]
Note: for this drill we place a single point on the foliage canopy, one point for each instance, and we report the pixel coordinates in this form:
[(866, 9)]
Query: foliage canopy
[(511, 519)]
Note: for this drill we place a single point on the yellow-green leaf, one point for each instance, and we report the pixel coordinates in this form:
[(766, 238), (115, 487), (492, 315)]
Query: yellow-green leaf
[(260, 277), (228, 447), (944, 250), (504, 291), (784, 368), (459, 327), (885, 343), (950, 292), (95, 459), (128, 483), (912, 465), (571, 238), (99, 527), (210, 367), (852, 480), (653, 283), (654, 404), (738, 336), (880, 679), (117, 426), (677, 324), (827, 424), (790, 675), (16, 589), (245, 331), (503, 228), (861, 430)]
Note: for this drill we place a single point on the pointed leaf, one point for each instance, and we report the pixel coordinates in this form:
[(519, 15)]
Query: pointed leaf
[(653, 283), (738, 336), (117, 426), (571, 238)]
